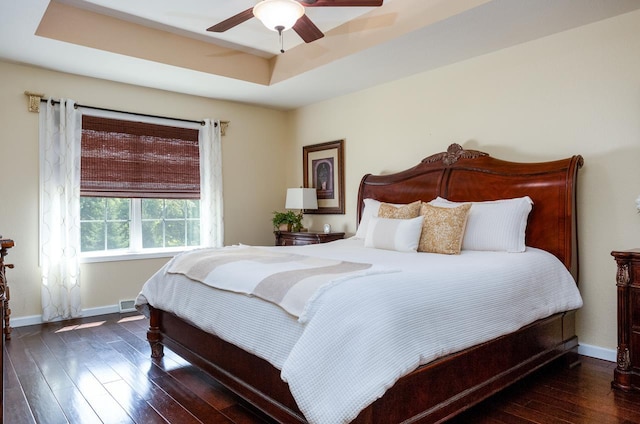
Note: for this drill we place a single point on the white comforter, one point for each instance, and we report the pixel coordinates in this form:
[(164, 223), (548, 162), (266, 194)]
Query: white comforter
[(359, 337)]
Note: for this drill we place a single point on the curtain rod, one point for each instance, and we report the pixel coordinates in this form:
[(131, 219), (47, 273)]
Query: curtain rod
[(103, 109), (34, 97)]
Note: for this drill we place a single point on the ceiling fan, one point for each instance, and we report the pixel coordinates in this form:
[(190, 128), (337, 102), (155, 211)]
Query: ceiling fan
[(281, 15)]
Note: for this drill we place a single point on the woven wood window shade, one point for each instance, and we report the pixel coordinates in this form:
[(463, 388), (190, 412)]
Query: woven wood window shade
[(135, 159)]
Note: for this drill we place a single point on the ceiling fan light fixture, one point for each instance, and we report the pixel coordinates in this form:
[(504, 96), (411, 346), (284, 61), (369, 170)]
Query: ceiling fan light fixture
[(278, 15)]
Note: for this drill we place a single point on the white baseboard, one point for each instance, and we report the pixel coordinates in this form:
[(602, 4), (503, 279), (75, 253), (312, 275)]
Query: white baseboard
[(597, 352), (91, 312)]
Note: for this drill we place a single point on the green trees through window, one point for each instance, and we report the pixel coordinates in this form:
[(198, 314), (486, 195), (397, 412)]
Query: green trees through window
[(104, 223), (135, 224), (170, 223)]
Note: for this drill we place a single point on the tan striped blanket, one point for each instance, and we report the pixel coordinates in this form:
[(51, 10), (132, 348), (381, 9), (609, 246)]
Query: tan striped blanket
[(289, 280)]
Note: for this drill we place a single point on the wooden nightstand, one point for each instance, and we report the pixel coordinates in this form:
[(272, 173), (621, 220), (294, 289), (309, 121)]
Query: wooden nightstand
[(626, 376), (5, 244), (286, 238)]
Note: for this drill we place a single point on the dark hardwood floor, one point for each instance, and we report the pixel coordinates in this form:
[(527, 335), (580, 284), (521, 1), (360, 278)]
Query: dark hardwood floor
[(99, 369)]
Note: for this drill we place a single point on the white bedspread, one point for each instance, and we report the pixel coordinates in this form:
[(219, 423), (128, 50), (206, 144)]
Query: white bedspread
[(347, 353), (289, 280)]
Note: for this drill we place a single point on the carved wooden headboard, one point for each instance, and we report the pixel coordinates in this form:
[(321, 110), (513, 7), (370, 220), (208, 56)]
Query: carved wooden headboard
[(471, 175)]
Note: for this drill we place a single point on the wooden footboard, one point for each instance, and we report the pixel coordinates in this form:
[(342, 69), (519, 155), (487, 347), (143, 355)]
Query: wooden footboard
[(433, 393), (252, 378)]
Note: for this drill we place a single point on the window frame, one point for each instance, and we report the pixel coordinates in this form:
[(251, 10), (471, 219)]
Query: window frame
[(135, 250), (135, 236)]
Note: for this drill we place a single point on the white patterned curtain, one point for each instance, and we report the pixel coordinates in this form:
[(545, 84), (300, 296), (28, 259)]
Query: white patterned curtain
[(60, 133), (211, 206)]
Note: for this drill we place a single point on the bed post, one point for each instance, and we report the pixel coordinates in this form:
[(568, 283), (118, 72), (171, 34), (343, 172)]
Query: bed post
[(154, 336)]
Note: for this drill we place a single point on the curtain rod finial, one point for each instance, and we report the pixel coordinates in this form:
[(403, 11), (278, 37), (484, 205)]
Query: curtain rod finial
[(223, 127), (34, 101)]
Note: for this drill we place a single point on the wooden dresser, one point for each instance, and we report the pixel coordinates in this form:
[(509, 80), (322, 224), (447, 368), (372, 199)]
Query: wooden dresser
[(5, 244), (626, 376), (288, 238)]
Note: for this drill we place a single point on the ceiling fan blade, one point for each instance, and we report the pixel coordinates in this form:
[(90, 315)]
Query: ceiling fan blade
[(339, 3), (307, 30), (232, 21)]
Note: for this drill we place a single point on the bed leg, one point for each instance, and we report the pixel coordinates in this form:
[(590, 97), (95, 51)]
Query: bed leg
[(157, 349), (572, 359), (154, 337)]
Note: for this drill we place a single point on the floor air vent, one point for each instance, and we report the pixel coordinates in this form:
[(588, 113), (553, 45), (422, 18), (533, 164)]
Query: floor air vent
[(127, 305)]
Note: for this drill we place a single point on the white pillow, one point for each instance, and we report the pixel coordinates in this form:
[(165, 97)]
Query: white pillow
[(497, 225), (371, 207), (402, 235)]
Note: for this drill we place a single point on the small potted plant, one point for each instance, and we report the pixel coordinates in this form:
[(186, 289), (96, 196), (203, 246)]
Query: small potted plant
[(287, 221)]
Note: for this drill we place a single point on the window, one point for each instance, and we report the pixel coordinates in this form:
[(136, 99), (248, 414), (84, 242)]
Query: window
[(104, 223), (170, 223), (109, 224), (139, 187)]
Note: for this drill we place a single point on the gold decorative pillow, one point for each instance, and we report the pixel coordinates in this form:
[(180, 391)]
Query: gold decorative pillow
[(389, 211), (443, 228)]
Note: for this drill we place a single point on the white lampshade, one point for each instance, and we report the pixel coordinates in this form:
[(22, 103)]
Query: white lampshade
[(301, 198), (278, 15)]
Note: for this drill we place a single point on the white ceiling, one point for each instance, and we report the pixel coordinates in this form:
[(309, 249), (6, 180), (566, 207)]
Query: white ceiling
[(408, 45)]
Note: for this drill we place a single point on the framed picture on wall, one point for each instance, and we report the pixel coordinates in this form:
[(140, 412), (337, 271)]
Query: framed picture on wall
[(323, 169)]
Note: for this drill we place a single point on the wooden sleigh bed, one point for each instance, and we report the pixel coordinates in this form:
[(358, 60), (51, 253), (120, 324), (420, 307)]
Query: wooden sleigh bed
[(440, 389)]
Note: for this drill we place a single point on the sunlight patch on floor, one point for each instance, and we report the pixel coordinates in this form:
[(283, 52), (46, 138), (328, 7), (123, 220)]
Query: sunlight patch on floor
[(80, 326), (131, 318)]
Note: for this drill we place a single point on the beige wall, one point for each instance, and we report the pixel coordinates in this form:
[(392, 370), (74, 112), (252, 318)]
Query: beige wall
[(253, 186), (576, 92)]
